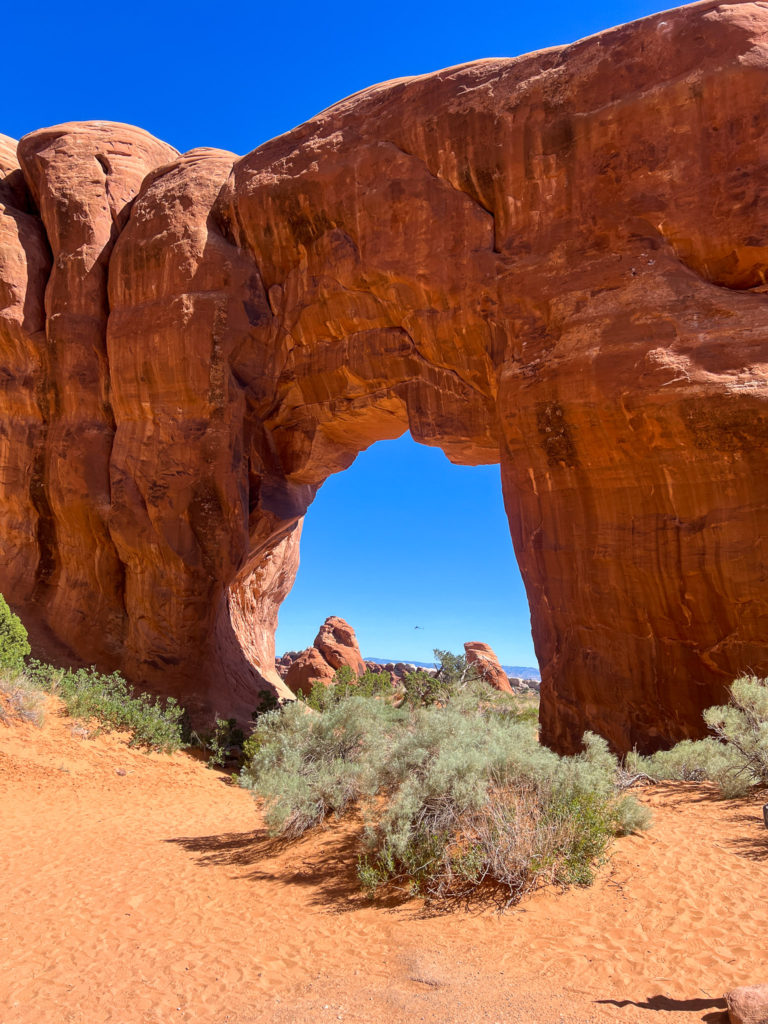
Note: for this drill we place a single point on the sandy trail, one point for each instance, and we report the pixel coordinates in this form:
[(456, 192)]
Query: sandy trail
[(141, 889)]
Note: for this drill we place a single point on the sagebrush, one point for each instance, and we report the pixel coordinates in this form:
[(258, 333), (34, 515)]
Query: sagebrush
[(455, 796), (735, 758)]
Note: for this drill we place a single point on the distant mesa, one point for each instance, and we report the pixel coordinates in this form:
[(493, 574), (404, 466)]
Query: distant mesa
[(525, 673), (556, 263)]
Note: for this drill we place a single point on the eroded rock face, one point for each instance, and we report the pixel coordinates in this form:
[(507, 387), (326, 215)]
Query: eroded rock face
[(25, 264), (81, 179), (335, 645), (484, 657), (555, 262)]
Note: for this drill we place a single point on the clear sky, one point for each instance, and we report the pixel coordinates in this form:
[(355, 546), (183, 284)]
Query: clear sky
[(402, 538)]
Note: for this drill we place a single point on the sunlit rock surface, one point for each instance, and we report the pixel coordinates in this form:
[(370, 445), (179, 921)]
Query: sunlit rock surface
[(556, 262), (487, 663), (335, 646)]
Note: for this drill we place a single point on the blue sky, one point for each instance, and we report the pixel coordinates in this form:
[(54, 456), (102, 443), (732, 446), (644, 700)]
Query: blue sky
[(403, 538)]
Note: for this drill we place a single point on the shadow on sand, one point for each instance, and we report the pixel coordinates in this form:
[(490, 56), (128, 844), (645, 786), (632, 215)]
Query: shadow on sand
[(325, 860), (666, 1004)]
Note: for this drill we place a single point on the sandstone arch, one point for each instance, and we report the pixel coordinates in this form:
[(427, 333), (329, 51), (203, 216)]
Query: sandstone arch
[(555, 262)]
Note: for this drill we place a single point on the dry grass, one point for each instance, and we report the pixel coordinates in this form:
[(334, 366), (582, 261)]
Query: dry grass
[(20, 700)]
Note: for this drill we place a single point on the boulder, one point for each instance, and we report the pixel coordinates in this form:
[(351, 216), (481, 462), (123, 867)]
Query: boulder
[(484, 658), (335, 645), (284, 662), (748, 1005), (309, 667)]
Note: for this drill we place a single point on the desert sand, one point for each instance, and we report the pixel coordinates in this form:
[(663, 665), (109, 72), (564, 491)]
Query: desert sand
[(142, 889)]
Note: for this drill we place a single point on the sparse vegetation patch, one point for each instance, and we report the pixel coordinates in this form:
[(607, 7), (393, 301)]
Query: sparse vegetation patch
[(455, 796), (20, 700), (109, 699), (735, 758), (346, 684)]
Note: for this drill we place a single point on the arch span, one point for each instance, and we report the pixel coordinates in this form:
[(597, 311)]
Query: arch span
[(555, 262)]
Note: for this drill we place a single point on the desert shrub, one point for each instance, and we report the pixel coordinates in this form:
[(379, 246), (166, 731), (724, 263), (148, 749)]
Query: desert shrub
[(475, 801), (453, 676), (20, 699), (690, 761), (735, 758), (14, 643), (109, 699), (307, 765), (461, 685), (225, 738), (267, 701), (453, 798), (742, 725), (423, 689), (346, 683)]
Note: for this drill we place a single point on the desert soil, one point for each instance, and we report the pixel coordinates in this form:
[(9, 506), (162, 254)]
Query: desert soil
[(142, 889)]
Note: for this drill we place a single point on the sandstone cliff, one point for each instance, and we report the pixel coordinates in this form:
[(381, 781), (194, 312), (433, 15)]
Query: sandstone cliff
[(555, 262)]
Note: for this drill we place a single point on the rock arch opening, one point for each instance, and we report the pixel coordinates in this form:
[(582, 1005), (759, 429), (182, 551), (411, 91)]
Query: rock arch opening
[(415, 554)]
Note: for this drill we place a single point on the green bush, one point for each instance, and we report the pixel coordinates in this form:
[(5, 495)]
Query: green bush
[(346, 683), (14, 643), (742, 725), (307, 765), (475, 801), (736, 761), (267, 701), (454, 797), (689, 761), (219, 744), (453, 676), (87, 693)]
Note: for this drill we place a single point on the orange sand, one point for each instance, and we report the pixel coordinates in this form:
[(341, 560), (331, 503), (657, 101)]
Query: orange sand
[(142, 888)]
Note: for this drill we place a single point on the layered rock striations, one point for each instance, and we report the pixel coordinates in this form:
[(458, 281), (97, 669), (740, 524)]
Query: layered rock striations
[(555, 262)]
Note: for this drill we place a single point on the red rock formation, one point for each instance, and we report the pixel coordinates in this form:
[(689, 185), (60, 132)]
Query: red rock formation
[(308, 668), (335, 645), (488, 665), (82, 179), (26, 544), (555, 262)]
